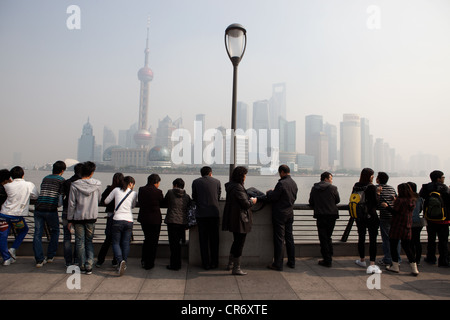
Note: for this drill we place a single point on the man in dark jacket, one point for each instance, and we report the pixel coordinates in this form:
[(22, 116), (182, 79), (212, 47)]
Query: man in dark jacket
[(323, 199), (439, 228), (283, 198), (206, 194)]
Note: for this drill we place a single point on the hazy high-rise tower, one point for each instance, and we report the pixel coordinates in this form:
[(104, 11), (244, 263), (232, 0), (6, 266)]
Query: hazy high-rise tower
[(277, 105), (366, 144), (331, 132), (145, 75), (313, 126), (86, 144), (351, 142), (242, 116)]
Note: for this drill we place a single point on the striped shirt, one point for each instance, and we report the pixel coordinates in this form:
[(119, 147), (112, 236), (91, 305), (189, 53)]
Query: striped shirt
[(388, 195), (51, 188)]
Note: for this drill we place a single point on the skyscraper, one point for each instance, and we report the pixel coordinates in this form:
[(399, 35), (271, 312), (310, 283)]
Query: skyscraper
[(313, 126), (145, 75), (242, 116), (109, 138), (261, 121), (277, 104), (261, 115), (351, 142), (331, 132), (86, 144), (366, 145), (287, 135)]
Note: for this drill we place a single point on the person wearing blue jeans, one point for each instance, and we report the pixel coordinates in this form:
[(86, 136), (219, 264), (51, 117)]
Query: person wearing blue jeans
[(121, 236), (52, 220), (125, 200), (14, 208), (82, 213), (46, 212), (6, 223), (84, 233)]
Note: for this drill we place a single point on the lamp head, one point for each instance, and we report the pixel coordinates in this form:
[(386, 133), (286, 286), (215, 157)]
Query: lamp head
[(235, 42)]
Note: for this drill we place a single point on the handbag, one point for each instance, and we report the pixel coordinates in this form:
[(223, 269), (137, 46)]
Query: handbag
[(191, 212)]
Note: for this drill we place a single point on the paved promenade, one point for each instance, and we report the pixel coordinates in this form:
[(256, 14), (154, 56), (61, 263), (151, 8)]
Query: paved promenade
[(308, 281)]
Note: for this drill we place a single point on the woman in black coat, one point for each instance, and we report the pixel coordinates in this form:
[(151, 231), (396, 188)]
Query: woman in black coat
[(237, 216), (150, 198)]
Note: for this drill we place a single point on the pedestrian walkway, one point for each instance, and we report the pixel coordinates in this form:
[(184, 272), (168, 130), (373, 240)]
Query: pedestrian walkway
[(308, 281)]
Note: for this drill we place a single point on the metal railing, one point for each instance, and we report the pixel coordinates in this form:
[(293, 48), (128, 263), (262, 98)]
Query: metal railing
[(304, 227)]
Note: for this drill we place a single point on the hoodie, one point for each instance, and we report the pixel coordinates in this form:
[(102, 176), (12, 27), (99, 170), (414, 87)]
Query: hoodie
[(84, 197), (177, 201), (323, 198)]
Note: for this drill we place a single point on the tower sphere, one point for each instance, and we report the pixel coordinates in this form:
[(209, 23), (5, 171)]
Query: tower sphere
[(145, 74), (143, 137)]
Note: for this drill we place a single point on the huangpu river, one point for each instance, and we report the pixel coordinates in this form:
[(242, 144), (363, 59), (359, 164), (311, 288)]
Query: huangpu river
[(260, 182)]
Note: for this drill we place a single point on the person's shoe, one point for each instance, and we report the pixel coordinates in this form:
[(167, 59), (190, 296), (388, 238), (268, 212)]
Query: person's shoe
[(12, 253), (8, 262), (122, 268), (272, 267), (393, 268), (324, 263), (291, 265), (414, 269), (172, 268), (237, 267), (373, 269), (50, 260), (361, 263), (88, 271), (429, 261), (381, 262), (40, 264)]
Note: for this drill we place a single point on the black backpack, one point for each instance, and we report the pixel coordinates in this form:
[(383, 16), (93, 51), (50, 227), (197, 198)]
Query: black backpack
[(434, 208), (357, 205)]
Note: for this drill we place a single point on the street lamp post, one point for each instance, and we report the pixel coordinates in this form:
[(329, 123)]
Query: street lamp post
[(235, 43)]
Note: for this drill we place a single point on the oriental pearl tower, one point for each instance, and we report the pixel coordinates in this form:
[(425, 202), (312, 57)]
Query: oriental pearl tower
[(145, 75)]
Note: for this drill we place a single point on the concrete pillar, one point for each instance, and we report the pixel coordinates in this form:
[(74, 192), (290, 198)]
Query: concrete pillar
[(258, 248)]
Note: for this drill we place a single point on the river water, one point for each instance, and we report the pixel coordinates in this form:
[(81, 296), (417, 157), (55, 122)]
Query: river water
[(262, 183)]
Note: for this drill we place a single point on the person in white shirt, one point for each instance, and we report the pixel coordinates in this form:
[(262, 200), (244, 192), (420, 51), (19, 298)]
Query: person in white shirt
[(19, 192), (122, 225)]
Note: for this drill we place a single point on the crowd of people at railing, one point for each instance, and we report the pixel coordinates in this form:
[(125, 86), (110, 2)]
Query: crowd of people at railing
[(399, 215)]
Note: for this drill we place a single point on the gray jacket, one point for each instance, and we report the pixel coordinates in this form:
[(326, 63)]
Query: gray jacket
[(84, 197)]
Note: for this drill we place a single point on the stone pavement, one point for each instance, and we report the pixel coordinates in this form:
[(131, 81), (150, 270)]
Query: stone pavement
[(308, 281)]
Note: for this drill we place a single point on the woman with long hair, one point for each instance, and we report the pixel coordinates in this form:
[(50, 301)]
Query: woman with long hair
[(117, 181), (125, 200), (401, 226), (237, 217), (369, 221)]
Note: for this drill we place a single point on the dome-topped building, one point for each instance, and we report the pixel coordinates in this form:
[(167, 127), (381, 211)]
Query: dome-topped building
[(159, 156)]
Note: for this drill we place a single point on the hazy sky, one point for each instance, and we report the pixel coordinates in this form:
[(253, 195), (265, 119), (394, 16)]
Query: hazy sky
[(328, 53)]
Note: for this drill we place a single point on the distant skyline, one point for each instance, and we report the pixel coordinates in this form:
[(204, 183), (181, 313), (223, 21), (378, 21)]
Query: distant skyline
[(387, 61)]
